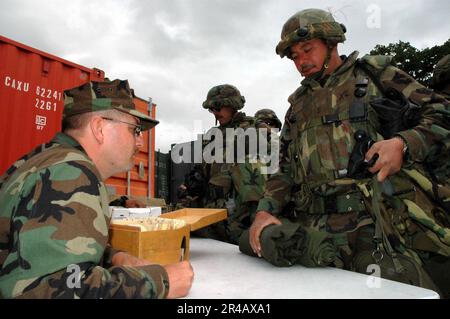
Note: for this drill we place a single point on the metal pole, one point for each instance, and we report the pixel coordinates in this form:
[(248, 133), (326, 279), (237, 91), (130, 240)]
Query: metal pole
[(150, 169), (157, 174), (129, 183)]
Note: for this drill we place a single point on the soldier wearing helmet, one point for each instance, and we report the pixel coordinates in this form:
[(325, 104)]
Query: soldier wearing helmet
[(266, 118), (232, 185), (310, 39), (224, 101), (358, 110), (437, 159), (441, 77)]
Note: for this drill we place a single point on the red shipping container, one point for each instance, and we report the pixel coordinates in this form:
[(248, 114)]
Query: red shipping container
[(32, 83)]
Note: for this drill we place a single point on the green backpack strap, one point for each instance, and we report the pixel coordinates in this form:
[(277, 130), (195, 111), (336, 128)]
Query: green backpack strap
[(380, 234)]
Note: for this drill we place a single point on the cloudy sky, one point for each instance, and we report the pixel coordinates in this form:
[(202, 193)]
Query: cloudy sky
[(175, 50)]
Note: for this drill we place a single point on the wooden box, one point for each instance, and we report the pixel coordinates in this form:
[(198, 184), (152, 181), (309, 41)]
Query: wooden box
[(198, 218), (162, 240)]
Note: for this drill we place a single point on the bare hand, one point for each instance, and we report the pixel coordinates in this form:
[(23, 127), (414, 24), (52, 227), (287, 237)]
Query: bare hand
[(124, 259), (390, 157), (181, 276), (134, 203), (262, 220)]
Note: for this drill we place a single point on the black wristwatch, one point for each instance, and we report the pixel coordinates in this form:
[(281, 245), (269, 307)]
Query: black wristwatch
[(123, 200), (405, 147)]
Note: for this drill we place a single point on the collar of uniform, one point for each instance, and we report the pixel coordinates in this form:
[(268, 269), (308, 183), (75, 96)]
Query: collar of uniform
[(311, 84), (66, 140), (344, 67), (346, 64)]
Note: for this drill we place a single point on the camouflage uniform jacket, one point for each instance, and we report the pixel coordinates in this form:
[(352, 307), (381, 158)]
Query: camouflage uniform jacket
[(317, 139), (445, 94), (54, 225)]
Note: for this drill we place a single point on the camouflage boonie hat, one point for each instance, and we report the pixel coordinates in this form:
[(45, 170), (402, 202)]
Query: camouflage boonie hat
[(441, 73), (224, 95), (102, 96), (267, 116), (310, 24)]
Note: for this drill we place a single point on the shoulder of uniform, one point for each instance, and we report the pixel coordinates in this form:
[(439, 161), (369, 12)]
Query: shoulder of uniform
[(59, 158), (59, 163), (64, 154), (378, 62)]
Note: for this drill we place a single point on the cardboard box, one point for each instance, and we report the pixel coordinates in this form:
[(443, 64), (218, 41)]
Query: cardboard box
[(165, 239)]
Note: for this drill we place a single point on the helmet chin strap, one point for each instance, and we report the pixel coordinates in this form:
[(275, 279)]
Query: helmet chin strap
[(320, 74)]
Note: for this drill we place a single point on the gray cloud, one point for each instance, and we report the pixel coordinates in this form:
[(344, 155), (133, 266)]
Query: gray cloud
[(174, 51)]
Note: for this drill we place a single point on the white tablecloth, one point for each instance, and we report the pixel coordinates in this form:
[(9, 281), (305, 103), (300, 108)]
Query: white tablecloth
[(222, 271)]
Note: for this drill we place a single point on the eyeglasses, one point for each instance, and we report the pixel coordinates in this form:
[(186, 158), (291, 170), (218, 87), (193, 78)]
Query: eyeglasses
[(215, 109), (270, 123), (137, 128)]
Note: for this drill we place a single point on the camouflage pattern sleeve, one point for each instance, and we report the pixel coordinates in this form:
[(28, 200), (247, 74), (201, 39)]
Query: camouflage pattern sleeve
[(143, 282), (248, 181), (279, 185), (432, 127), (59, 221)]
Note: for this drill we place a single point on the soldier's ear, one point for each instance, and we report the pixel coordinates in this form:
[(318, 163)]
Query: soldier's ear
[(97, 128)]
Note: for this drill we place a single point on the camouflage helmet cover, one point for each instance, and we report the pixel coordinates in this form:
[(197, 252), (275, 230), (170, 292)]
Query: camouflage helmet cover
[(267, 115), (441, 74), (310, 24), (224, 95), (102, 96)]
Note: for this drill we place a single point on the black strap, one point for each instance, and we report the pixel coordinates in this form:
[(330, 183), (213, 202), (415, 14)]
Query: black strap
[(330, 118)]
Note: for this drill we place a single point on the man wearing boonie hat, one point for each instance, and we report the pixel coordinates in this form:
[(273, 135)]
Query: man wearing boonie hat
[(54, 219)]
